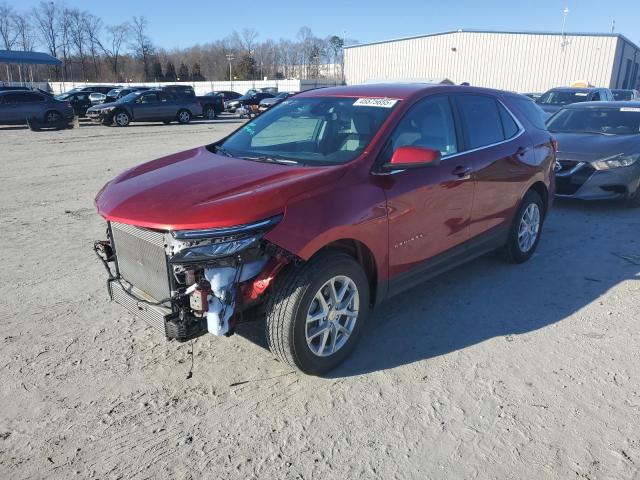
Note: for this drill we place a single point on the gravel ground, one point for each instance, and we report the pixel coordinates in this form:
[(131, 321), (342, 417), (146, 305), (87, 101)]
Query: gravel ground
[(489, 371)]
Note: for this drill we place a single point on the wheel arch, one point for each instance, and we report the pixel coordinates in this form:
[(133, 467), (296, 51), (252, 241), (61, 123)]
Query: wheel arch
[(359, 251), (541, 189)]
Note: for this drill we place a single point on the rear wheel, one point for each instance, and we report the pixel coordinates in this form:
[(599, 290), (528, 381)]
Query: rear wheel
[(121, 118), (184, 116), (524, 235), (317, 312)]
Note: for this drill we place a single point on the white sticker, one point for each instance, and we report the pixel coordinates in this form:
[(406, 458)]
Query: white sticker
[(581, 94), (630, 109), (375, 102)]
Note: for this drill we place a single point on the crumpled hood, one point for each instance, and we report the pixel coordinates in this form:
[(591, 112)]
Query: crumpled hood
[(100, 106), (590, 147), (199, 189)]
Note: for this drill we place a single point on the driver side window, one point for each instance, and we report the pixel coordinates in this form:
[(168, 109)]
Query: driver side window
[(429, 124)]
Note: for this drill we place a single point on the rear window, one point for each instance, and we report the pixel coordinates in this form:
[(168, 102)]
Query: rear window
[(532, 112), (622, 95), (564, 97), (481, 118)]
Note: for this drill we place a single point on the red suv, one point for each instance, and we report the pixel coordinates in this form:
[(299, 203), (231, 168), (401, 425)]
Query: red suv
[(324, 206)]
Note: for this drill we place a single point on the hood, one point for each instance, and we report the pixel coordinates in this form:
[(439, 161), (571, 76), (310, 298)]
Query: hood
[(199, 189), (100, 106), (590, 147)]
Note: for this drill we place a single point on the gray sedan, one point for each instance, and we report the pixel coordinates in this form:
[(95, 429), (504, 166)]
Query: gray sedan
[(598, 151)]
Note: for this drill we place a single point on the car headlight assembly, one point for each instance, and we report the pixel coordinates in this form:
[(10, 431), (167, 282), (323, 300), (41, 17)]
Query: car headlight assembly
[(202, 246), (107, 109), (617, 161)]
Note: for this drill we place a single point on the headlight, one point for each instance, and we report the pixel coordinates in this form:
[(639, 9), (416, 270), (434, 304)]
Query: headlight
[(213, 243), (107, 109), (616, 161)]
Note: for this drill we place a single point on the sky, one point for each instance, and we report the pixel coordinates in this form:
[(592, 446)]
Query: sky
[(184, 23)]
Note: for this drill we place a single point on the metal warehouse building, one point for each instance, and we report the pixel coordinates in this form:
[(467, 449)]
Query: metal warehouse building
[(517, 61)]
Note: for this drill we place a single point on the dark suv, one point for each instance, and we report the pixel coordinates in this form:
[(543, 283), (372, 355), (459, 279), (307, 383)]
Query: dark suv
[(28, 107), (324, 206)]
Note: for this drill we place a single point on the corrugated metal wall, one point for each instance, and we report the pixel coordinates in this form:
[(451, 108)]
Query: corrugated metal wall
[(510, 61)]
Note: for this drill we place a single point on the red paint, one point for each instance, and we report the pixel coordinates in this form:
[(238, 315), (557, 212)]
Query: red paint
[(252, 291), (408, 157), (402, 219)]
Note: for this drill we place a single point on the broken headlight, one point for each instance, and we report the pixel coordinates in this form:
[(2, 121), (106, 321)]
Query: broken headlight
[(200, 246)]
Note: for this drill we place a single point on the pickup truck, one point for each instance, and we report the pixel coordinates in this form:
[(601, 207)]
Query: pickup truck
[(211, 105), (148, 106)]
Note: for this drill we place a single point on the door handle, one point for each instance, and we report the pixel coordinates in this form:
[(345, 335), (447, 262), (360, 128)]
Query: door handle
[(461, 171)]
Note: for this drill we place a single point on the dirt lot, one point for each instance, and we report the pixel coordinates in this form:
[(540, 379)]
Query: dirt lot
[(490, 371)]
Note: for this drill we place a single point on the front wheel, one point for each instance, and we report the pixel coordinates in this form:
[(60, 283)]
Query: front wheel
[(121, 119), (317, 312), (209, 113), (52, 118), (184, 116), (524, 235)]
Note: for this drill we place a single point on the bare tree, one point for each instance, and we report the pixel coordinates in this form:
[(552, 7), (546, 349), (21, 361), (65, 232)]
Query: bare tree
[(78, 35), (141, 44), (245, 40), (117, 37), (93, 30), (26, 37), (46, 21), (8, 32)]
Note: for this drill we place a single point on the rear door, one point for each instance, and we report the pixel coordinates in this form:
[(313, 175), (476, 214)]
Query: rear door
[(168, 107), (28, 105), (501, 157)]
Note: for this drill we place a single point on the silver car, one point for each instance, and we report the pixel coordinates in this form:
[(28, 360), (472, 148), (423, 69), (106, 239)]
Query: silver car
[(21, 107), (598, 151)]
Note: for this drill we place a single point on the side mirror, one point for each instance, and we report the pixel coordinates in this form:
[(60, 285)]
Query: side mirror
[(412, 157)]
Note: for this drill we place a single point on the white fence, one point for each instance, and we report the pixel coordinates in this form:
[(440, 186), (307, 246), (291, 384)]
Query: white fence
[(201, 88)]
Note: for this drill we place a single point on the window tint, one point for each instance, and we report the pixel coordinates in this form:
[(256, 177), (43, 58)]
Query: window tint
[(150, 98), (509, 125), (428, 124), (532, 112), (481, 119), (596, 97)]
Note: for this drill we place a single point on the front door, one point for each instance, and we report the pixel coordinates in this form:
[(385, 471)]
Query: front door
[(147, 107), (429, 208)]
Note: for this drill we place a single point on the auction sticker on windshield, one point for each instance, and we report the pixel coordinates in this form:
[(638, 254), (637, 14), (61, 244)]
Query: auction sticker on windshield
[(630, 109), (375, 102)]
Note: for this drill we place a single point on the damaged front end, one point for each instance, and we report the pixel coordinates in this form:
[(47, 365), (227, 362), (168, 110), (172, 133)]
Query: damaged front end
[(189, 282)]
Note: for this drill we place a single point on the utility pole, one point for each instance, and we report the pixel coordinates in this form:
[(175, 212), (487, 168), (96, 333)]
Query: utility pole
[(565, 13), (230, 58), (613, 26)]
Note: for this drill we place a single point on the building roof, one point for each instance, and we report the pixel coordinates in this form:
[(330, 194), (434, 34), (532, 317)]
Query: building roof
[(31, 58), (506, 32)]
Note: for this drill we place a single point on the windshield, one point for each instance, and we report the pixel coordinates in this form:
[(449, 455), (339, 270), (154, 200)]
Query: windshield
[(563, 97), (113, 92), (310, 131), (606, 121), (63, 96), (622, 94)]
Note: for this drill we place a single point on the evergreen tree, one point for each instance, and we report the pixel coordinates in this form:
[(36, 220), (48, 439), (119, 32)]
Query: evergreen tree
[(156, 72), (196, 74), (170, 72), (246, 68), (183, 73)]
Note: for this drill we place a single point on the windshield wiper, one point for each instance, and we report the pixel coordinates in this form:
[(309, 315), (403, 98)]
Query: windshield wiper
[(222, 151), (282, 161)]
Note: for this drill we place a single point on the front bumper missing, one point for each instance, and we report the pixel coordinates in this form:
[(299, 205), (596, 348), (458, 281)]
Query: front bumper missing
[(161, 319), (581, 181)]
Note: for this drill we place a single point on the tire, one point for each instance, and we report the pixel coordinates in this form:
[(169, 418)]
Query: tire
[(305, 345), (184, 116), (121, 118), (52, 117), (634, 200), (209, 112), (521, 246), (107, 122)]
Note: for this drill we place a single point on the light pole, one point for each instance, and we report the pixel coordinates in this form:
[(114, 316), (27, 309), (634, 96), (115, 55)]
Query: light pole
[(565, 13)]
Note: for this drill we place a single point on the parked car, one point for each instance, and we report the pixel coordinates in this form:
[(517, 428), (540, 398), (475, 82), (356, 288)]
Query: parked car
[(225, 95), (245, 100), (117, 93), (94, 88), (556, 98), (533, 95), (211, 105), (96, 98), (599, 151), (267, 103), (24, 107), (626, 95), (80, 101), (7, 88), (148, 106), (323, 207)]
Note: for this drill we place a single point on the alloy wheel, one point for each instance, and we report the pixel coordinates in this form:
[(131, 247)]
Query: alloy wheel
[(52, 117), (184, 116), (529, 228), (122, 119), (332, 316)]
